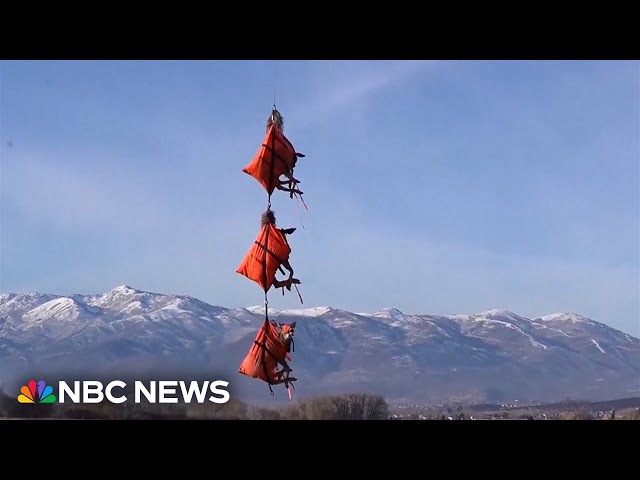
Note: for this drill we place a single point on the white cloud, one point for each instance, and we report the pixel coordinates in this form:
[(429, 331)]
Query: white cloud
[(365, 268), (342, 91), (49, 191)]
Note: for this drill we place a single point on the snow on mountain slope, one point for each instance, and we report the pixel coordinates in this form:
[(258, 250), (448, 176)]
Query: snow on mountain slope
[(484, 356)]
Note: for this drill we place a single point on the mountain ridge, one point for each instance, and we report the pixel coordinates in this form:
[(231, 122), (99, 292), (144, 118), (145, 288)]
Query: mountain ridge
[(485, 356), (308, 311)]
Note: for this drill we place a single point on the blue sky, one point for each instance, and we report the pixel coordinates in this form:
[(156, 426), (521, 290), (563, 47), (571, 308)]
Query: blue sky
[(432, 187)]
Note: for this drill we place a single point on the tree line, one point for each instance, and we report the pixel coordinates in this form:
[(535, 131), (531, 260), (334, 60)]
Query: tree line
[(352, 406)]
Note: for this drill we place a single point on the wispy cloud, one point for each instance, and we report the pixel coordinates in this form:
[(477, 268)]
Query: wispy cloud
[(53, 193), (362, 268), (91, 191), (360, 82)]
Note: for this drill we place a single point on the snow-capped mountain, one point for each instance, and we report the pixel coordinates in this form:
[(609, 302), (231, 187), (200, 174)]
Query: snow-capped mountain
[(489, 356)]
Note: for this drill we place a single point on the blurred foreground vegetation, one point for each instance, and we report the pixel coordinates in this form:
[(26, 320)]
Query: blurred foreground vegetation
[(355, 406)]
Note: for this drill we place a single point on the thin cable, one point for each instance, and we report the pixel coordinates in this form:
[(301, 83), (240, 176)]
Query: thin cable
[(275, 82)]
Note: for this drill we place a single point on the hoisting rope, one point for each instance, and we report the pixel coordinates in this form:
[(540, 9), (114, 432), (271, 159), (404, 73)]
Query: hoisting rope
[(266, 252), (275, 125)]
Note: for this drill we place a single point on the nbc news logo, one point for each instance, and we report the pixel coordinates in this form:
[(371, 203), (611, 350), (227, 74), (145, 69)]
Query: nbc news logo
[(93, 391), (44, 393)]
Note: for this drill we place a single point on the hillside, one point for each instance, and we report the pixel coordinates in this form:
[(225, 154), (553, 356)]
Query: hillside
[(489, 356)]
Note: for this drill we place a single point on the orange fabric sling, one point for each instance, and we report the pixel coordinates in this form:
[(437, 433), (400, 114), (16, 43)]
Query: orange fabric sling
[(255, 266)]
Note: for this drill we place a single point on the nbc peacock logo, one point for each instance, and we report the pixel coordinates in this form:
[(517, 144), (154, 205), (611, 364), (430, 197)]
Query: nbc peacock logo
[(44, 393)]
